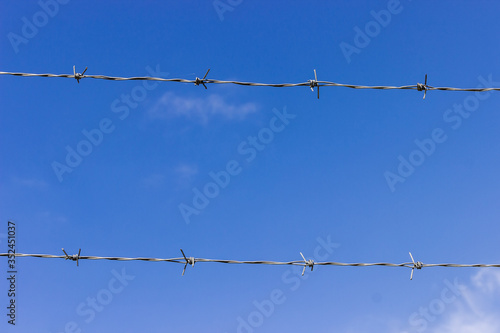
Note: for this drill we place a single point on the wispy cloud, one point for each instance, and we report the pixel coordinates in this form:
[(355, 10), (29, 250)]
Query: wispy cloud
[(182, 175), (474, 310), (479, 309), (199, 108), (30, 182), (153, 180), (185, 174), (47, 216)]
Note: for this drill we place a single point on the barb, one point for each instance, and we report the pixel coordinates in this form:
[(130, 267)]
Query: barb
[(310, 83), (423, 87), (202, 81), (190, 260), (417, 265), (79, 76), (314, 83), (74, 257), (307, 263), (304, 263)]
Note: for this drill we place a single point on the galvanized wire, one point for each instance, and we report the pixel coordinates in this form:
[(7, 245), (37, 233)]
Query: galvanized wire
[(309, 83), (183, 260)]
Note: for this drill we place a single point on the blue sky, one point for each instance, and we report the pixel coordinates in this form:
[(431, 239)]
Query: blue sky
[(356, 176)]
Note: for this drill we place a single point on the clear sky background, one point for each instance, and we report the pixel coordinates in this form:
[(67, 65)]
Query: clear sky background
[(319, 177)]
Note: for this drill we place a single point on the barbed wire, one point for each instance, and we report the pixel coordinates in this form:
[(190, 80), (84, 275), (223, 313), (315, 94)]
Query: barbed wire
[(313, 83), (304, 263)]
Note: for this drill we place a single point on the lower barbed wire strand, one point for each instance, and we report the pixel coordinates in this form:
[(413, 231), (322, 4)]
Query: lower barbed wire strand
[(252, 262)]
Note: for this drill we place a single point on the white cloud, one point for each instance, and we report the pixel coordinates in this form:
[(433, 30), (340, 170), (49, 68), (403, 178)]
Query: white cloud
[(185, 174), (30, 182), (153, 180), (200, 108), (186, 170), (487, 280), (474, 310), (479, 308), (182, 175), (47, 216)]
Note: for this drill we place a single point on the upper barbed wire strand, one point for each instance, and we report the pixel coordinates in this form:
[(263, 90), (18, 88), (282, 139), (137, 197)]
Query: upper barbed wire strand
[(255, 84)]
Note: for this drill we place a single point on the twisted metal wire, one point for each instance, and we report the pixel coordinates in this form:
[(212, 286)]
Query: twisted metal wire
[(183, 260), (197, 81)]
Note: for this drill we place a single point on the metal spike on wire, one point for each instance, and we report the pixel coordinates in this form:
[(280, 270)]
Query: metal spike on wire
[(314, 83), (204, 81), (417, 265), (79, 76), (307, 263), (423, 87), (197, 81), (189, 261), (74, 257)]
